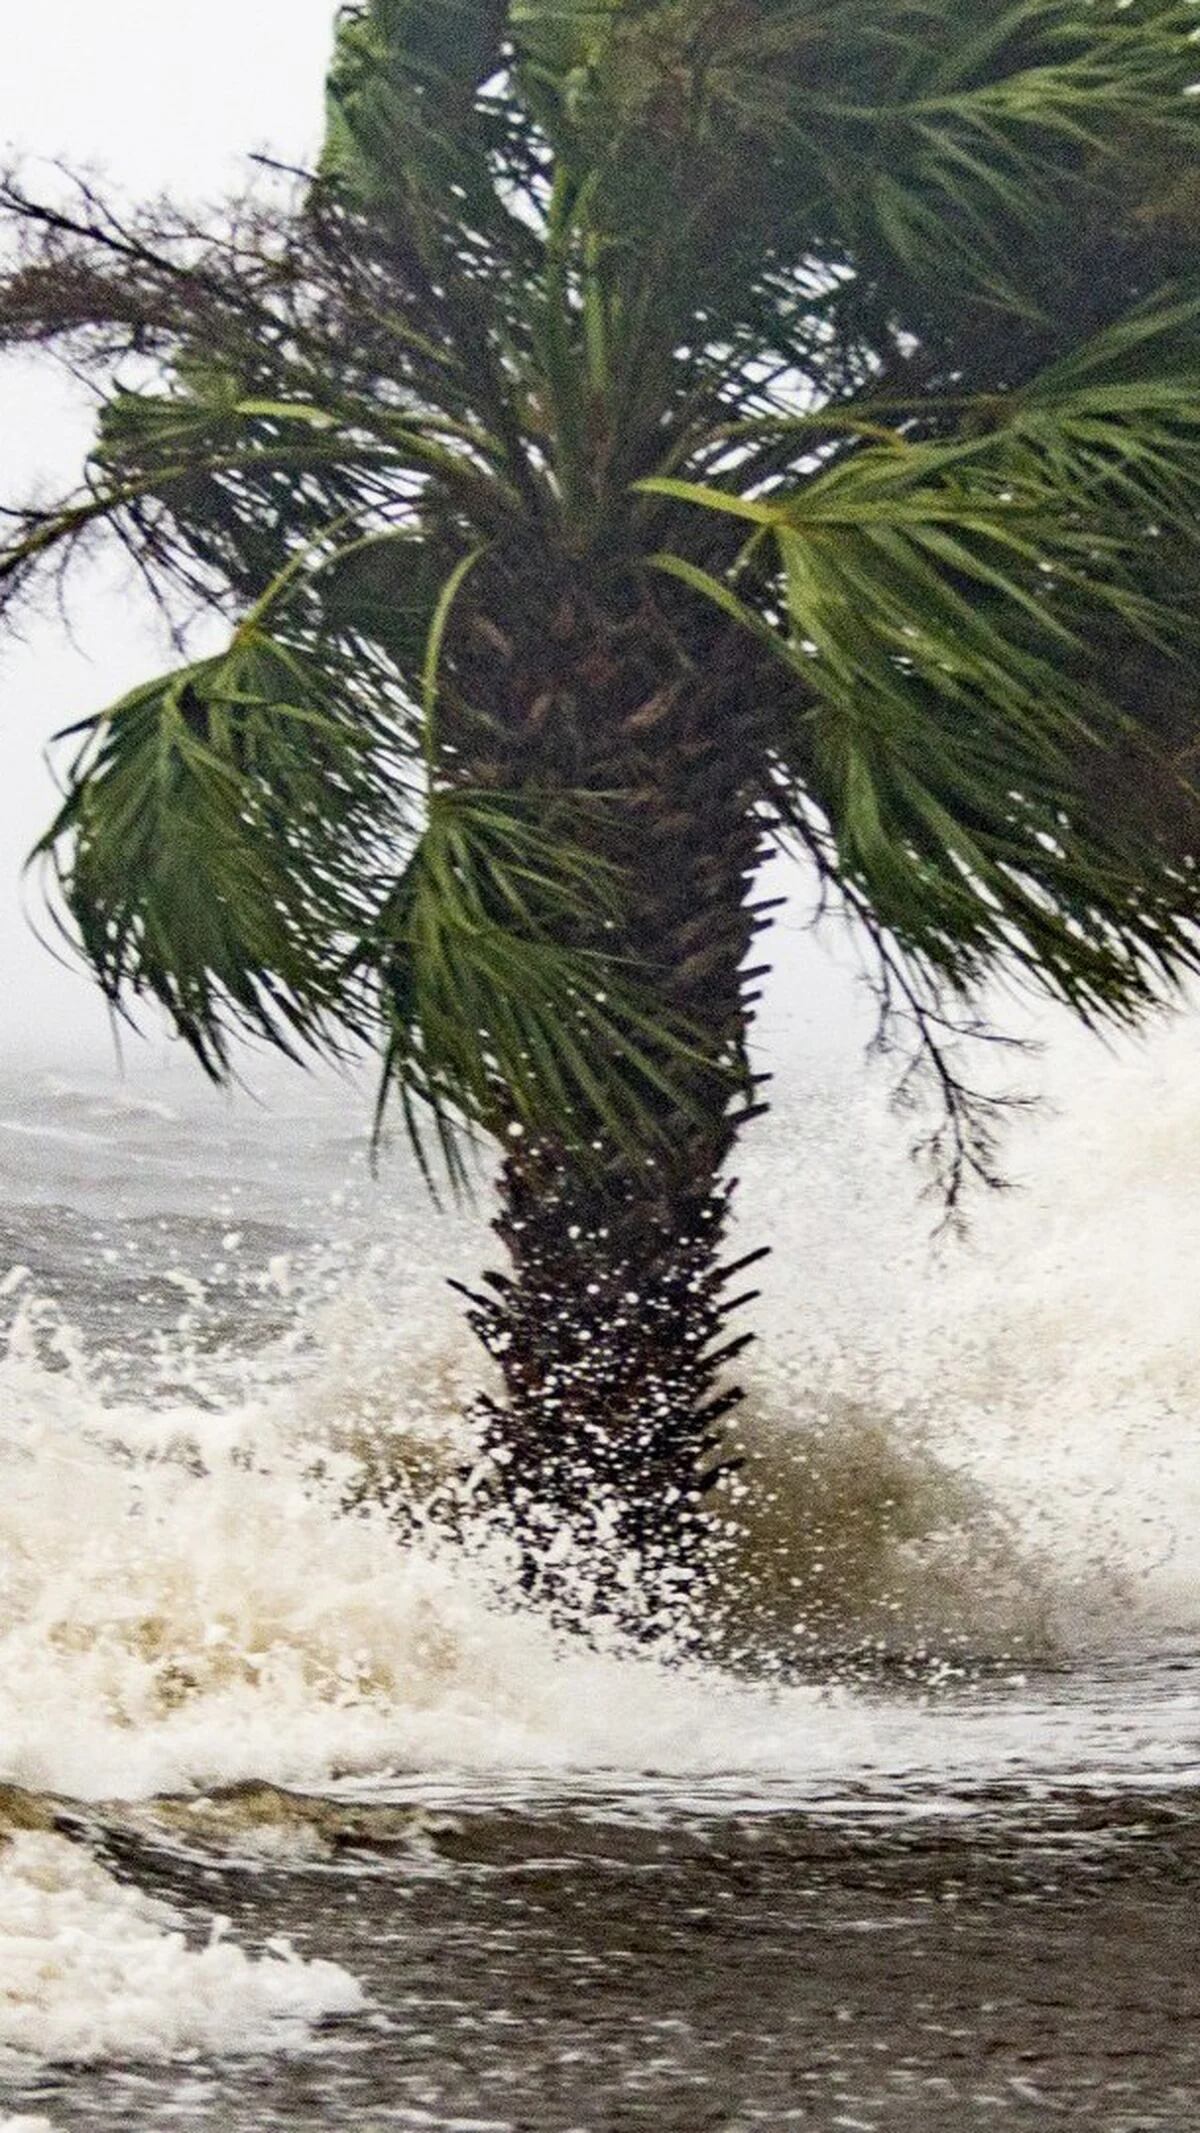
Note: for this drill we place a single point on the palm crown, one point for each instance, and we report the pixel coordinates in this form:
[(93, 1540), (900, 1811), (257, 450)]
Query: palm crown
[(868, 329)]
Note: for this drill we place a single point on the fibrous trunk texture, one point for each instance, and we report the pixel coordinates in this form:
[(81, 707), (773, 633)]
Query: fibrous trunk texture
[(610, 1324)]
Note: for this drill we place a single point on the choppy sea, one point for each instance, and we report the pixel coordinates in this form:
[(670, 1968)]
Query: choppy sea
[(302, 1827)]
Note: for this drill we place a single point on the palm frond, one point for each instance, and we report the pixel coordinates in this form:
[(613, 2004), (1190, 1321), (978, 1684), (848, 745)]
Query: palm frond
[(216, 845), (501, 1012), (401, 96), (210, 487), (951, 615)]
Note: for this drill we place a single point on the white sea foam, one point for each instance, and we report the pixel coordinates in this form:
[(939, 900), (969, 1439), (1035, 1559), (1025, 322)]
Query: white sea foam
[(93, 1970), (185, 1600), (163, 1624), (1052, 1357), (170, 1624)]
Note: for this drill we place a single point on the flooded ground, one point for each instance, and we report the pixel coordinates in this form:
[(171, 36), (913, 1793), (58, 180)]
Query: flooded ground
[(591, 1962), (301, 1828)]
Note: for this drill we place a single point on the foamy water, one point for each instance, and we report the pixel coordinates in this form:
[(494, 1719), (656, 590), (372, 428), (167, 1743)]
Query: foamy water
[(997, 1442), (90, 1969), (220, 1368), (187, 1604)]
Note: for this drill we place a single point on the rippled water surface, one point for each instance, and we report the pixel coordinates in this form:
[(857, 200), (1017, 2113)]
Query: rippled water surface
[(572, 1965), (301, 1828)]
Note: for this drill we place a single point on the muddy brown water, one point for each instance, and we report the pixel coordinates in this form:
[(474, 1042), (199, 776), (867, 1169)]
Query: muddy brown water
[(625, 1964)]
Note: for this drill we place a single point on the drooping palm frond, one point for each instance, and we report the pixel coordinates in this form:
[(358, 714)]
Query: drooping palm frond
[(232, 848), (948, 612), (500, 1009), (213, 489), (215, 849)]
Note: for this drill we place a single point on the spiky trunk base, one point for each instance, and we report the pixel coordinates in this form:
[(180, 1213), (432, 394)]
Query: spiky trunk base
[(609, 1336)]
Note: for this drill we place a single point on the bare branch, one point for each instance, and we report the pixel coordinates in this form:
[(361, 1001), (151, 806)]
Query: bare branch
[(924, 1025)]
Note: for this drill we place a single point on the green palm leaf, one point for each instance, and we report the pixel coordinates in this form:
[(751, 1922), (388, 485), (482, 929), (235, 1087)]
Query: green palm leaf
[(499, 1011), (945, 607), (217, 829)]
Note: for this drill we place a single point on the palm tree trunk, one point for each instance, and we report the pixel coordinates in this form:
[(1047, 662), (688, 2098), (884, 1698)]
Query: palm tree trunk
[(610, 1325), (610, 1333)]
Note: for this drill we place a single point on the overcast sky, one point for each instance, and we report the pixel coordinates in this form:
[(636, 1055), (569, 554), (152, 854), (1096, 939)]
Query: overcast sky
[(163, 97)]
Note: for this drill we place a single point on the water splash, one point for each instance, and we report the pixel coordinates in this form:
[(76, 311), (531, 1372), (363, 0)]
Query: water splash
[(987, 1456)]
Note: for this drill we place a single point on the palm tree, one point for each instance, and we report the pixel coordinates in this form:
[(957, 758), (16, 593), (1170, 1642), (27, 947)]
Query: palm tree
[(659, 428)]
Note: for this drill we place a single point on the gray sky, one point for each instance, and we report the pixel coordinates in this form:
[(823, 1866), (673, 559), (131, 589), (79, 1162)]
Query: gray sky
[(162, 98)]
